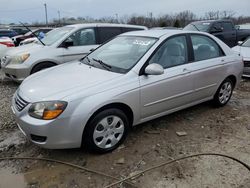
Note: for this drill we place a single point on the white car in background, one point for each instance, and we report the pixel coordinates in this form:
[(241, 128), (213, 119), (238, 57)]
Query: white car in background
[(244, 50), (61, 45)]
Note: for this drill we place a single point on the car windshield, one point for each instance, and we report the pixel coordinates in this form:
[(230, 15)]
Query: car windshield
[(246, 43), (55, 35), (120, 54), (199, 26)]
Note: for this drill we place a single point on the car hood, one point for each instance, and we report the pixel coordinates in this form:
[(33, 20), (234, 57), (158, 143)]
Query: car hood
[(29, 48), (63, 80), (244, 51)]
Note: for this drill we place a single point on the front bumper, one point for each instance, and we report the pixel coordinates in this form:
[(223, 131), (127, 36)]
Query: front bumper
[(59, 133), (16, 72)]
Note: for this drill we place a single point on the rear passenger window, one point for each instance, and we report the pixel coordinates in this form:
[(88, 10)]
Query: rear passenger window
[(205, 48), (106, 33), (227, 26)]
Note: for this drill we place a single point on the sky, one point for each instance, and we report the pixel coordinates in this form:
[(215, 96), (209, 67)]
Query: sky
[(13, 11)]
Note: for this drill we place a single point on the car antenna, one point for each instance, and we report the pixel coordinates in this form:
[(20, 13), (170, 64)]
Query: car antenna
[(32, 33)]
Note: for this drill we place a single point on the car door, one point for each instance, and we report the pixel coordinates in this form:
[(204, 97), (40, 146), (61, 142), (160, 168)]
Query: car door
[(173, 88), (207, 67), (83, 41)]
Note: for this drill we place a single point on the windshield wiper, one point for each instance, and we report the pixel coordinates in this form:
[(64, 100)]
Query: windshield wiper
[(88, 61), (32, 33), (104, 65), (195, 27)]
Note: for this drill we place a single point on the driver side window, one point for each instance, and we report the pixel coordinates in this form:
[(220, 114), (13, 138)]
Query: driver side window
[(172, 53), (83, 37)]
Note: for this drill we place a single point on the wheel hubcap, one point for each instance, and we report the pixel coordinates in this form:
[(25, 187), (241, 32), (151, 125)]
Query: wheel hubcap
[(225, 92), (108, 132)]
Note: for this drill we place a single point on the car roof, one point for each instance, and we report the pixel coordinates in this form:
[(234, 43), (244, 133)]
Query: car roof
[(211, 21), (160, 33), (104, 25)]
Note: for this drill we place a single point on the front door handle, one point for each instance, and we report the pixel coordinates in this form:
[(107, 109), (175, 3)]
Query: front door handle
[(185, 70)]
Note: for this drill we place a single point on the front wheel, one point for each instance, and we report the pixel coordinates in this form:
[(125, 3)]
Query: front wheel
[(106, 131), (42, 66), (223, 93)]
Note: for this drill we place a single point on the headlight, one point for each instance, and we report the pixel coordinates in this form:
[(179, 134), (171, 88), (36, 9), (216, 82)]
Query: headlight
[(47, 110), (19, 59)]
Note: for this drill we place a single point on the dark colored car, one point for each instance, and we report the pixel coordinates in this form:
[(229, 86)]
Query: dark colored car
[(20, 31), (7, 33), (29, 34), (223, 29)]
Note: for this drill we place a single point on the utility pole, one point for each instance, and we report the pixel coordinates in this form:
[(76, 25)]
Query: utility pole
[(59, 17), (46, 15), (116, 15)]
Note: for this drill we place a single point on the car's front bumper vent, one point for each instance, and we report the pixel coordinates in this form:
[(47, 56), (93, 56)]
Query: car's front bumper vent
[(20, 103), (246, 63)]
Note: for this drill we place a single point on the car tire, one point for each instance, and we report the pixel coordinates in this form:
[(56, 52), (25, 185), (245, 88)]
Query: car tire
[(223, 93), (106, 131), (42, 66)]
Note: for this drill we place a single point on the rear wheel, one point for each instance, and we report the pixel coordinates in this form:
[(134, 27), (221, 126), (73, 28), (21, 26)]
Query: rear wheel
[(106, 131), (224, 93), (42, 66)]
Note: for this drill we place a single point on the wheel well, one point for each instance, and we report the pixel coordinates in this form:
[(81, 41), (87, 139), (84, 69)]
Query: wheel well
[(233, 79), (49, 62), (121, 106)]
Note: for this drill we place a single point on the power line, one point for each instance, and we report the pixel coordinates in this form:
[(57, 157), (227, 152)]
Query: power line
[(20, 10)]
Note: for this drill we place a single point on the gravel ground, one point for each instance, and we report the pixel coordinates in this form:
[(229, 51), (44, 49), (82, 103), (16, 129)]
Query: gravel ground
[(221, 130)]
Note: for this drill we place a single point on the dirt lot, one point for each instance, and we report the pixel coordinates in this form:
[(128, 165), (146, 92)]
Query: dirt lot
[(222, 130)]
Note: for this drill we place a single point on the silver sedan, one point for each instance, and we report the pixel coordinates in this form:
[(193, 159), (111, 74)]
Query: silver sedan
[(134, 78)]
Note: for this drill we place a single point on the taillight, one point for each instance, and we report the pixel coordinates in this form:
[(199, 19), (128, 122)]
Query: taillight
[(8, 44)]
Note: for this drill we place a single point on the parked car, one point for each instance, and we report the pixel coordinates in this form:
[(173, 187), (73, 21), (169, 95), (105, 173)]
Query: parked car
[(60, 45), (7, 42), (223, 29), (244, 50), (29, 34), (20, 30), (134, 78), (28, 41), (7, 33)]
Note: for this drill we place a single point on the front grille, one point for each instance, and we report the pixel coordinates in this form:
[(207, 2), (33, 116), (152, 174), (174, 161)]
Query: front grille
[(246, 63), (20, 103)]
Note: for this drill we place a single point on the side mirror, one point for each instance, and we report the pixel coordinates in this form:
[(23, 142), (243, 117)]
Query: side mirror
[(240, 43), (67, 43), (237, 27), (92, 49), (154, 69)]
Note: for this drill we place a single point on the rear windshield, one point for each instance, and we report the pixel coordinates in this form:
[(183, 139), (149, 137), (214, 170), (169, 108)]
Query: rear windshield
[(199, 26)]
